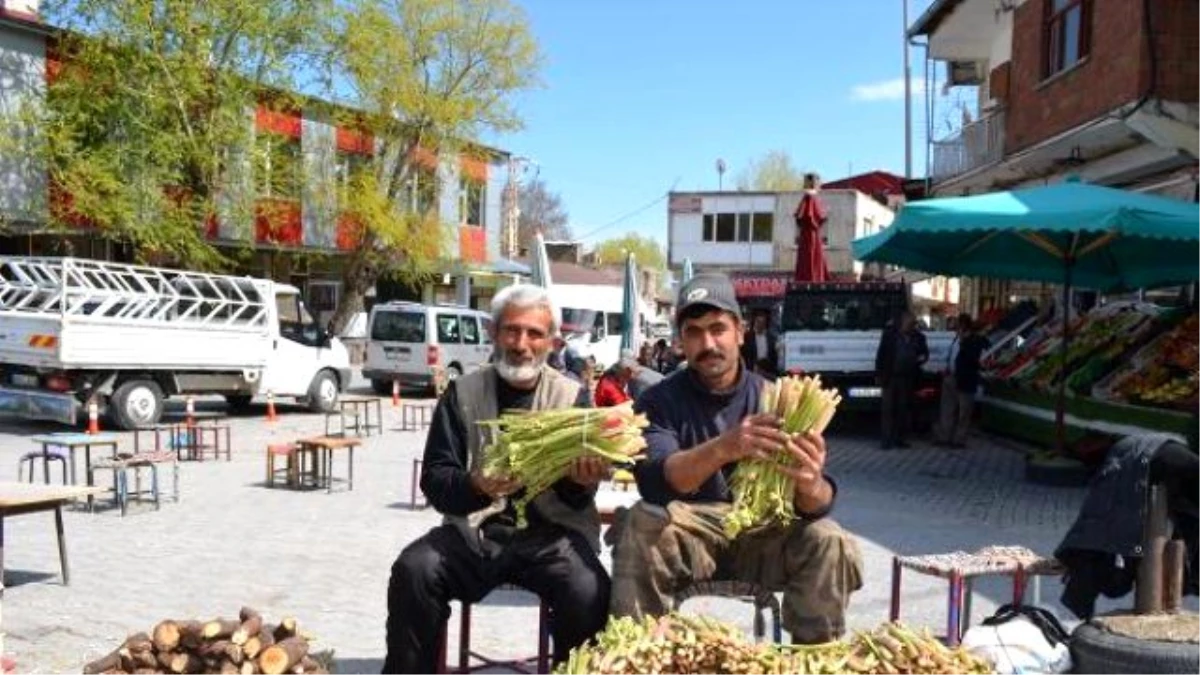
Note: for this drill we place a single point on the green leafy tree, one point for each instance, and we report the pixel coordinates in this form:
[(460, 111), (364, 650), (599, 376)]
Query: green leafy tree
[(427, 77), (144, 131), (773, 172), (646, 251)]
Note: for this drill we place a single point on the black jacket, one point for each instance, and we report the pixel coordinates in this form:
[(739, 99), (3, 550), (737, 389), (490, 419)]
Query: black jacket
[(966, 363), (1103, 548), (750, 355), (885, 355)]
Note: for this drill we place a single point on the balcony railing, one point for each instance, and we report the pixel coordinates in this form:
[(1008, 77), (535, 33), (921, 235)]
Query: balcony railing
[(977, 144)]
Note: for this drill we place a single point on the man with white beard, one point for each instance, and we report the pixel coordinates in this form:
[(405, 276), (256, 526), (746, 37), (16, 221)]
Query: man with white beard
[(478, 547)]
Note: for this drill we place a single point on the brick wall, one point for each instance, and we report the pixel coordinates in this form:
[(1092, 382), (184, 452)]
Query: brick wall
[(1176, 28), (1040, 108), (1115, 72)]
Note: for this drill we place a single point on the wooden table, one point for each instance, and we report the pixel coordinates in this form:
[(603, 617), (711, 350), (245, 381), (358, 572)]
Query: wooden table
[(359, 409), (321, 448), (18, 499), (70, 441)]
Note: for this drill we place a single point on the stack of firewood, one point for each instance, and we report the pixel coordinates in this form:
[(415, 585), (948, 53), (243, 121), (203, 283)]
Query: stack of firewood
[(245, 646)]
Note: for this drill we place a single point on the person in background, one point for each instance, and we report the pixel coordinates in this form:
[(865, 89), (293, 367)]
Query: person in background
[(579, 370), (902, 351), (643, 378), (759, 345), (662, 352), (557, 359), (960, 381), (613, 387), (646, 355)]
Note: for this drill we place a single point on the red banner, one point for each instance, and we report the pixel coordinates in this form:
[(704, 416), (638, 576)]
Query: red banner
[(472, 244), (278, 222), (761, 285)]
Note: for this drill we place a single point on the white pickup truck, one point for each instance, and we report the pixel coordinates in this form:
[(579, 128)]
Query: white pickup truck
[(76, 331), (833, 329)]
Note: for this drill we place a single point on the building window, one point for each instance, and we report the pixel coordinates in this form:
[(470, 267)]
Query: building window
[(349, 165), (472, 192), (425, 191), (1067, 33), (738, 227), (277, 166)]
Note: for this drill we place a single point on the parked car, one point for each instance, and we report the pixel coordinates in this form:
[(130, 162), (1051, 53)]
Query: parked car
[(412, 344)]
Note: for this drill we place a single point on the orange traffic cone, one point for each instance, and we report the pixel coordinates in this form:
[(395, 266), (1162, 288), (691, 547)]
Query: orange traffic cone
[(93, 426), (271, 416), (191, 411), (395, 393)]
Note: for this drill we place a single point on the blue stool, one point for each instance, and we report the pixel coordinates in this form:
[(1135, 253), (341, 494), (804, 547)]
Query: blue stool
[(53, 454), (120, 468)]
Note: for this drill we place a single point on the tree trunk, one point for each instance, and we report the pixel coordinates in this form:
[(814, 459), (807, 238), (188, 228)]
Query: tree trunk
[(358, 278), (283, 656)]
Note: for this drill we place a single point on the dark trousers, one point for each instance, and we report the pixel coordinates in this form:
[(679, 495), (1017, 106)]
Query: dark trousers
[(553, 562), (897, 394)]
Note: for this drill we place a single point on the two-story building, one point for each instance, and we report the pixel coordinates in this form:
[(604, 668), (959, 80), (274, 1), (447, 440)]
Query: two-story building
[(294, 233), (752, 236), (1102, 89)]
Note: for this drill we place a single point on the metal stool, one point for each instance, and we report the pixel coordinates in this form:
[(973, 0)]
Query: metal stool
[(292, 468), (960, 568), (55, 454), (541, 661), (120, 468), (761, 598)]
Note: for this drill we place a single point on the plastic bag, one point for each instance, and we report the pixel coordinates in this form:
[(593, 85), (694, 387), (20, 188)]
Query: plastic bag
[(1021, 639)]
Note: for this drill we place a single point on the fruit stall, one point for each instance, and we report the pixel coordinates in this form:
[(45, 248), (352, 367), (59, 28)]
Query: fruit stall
[(1129, 368)]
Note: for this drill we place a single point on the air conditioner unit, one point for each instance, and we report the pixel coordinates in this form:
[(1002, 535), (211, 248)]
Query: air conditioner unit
[(966, 73)]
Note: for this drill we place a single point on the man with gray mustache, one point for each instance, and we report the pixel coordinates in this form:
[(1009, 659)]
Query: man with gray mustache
[(479, 546)]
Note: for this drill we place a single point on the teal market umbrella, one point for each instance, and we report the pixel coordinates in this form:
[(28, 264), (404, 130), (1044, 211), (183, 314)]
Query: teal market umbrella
[(1070, 233)]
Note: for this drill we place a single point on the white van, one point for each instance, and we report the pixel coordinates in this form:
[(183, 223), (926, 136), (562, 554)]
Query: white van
[(410, 342)]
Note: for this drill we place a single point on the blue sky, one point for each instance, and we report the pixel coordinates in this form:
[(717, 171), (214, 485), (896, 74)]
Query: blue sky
[(641, 95)]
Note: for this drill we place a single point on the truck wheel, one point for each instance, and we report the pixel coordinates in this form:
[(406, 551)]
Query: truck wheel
[(323, 392), (137, 403)]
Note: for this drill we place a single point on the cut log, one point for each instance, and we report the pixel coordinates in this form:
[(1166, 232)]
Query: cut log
[(282, 656), (144, 659), (230, 668), (186, 663), (165, 659), (307, 666), (166, 636), (252, 623), (246, 612), (285, 629), (249, 667), (138, 642), (219, 629), (145, 671), (110, 661), (252, 647), (222, 649), (191, 633)]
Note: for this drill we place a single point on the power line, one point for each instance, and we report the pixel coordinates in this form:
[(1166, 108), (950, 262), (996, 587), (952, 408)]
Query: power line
[(627, 216)]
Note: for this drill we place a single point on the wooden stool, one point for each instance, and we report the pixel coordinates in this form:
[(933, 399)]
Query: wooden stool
[(288, 451), (760, 597), (541, 661), (960, 568)]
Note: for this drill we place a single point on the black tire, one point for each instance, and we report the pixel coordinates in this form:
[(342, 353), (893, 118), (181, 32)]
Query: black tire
[(1057, 473), (382, 387), (323, 392), (136, 404), (238, 403), (1095, 650)]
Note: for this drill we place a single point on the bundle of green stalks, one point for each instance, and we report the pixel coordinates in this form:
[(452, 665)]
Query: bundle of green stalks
[(678, 643), (538, 447), (762, 494)]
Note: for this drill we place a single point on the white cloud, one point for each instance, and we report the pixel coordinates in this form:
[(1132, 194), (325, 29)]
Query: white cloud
[(885, 90)]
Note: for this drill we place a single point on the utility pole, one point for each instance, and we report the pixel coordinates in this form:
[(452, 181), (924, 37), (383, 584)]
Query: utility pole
[(509, 240), (907, 95)]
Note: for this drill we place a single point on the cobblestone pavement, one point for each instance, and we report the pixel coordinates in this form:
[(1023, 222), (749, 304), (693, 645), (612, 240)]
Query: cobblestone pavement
[(325, 558)]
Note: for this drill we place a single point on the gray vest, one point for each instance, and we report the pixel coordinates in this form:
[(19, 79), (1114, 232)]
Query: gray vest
[(477, 402)]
